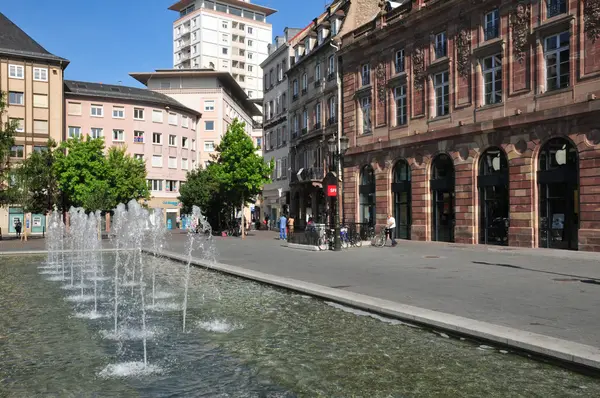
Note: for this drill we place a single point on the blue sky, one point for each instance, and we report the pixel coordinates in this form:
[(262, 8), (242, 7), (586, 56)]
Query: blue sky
[(107, 39)]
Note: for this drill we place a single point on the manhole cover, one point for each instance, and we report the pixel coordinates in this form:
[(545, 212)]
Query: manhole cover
[(565, 280), (431, 256)]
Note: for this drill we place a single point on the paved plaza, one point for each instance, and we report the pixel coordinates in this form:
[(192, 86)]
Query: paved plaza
[(555, 293)]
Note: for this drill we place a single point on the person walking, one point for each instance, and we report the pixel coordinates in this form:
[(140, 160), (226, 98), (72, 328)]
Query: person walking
[(391, 229), (282, 227), (267, 221), (291, 225), (18, 227)]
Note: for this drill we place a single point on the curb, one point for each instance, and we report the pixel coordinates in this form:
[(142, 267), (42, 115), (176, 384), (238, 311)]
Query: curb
[(579, 355)]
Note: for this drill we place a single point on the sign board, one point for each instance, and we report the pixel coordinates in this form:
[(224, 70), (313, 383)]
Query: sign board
[(331, 190), (37, 221)]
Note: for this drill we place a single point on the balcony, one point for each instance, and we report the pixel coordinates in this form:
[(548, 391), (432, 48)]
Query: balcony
[(317, 126), (330, 77), (331, 121), (304, 130), (317, 83), (491, 32), (304, 91), (185, 56), (185, 43), (294, 97), (294, 135), (307, 175), (185, 31)]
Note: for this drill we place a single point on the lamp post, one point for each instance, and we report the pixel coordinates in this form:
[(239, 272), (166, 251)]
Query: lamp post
[(337, 153)]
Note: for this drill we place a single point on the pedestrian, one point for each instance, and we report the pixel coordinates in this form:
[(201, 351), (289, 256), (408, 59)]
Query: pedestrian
[(18, 227), (291, 225), (178, 222), (282, 227), (391, 229), (267, 221)]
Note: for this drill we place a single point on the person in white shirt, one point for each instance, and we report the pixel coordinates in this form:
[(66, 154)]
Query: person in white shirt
[(391, 229)]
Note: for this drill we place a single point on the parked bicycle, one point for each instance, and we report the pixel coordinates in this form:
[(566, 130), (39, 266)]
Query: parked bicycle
[(379, 240)]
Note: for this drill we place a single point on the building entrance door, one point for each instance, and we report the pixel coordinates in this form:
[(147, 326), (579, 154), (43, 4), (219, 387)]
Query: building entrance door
[(442, 192)]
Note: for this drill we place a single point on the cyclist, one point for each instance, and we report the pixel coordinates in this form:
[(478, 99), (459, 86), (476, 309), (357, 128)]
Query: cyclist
[(391, 229)]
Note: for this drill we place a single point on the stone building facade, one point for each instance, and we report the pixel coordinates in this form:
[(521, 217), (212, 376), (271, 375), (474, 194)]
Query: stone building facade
[(476, 122), (313, 109)]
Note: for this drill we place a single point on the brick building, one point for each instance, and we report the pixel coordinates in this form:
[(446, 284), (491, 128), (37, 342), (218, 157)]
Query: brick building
[(476, 122)]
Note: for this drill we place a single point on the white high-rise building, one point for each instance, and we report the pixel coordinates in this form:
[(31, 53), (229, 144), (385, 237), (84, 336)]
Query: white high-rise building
[(225, 35)]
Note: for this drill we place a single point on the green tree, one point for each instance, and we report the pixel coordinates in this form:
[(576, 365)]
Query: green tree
[(7, 140), (126, 177), (34, 186), (241, 171), (202, 189)]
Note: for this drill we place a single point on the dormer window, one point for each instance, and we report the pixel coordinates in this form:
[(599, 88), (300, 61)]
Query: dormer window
[(320, 37), (307, 45), (296, 54), (334, 27)]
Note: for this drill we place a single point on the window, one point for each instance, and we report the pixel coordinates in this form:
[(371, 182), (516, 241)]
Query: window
[(317, 73), (209, 146), (399, 61), (318, 116), (16, 71), (157, 138), (156, 160), (157, 116), (193, 144), (19, 123), (170, 186), (209, 106), (40, 148), (271, 80), (74, 108), (365, 106), (400, 99), (40, 100), (492, 79), (332, 110), (250, 68), (296, 54), (555, 7), (295, 88), (307, 45), (440, 45), (304, 119), (556, 54), (96, 132), (209, 125), (74, 132), (249, 43), (284, 168), (334, 25), (259, 143), (166, 85), (250, 30), (17, 151), (224, 50), (17, 98), (173, 119), (97, 110), (249, 55), (442, 95), (118, 113), (138, 113), (40, 74), (279, 73), (283, 134), (331, 67), (278, 168), (40, 127), (225, 38), (365, 73), (278, 137), (492, 24), (172, 140), (224, 25), (138, 156), (155, 185), (184, 164), (304, 83), (172, 162), (118, 135), (138, 137), (320, 37), (296, 125)]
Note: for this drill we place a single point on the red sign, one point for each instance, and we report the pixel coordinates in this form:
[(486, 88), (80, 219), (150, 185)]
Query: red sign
[(331, 190)]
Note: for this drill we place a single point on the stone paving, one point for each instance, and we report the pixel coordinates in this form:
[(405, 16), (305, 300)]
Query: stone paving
[(556, 293)]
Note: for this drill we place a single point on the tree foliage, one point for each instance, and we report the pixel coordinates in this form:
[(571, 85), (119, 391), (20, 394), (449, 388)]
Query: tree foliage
[(7, 140), (34, 186), (96, 181), (236, 175)]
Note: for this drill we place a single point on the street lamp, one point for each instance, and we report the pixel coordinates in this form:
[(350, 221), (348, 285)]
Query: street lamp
[(337, 150)]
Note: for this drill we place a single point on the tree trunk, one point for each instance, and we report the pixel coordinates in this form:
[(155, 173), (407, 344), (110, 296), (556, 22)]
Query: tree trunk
[(242, 221)]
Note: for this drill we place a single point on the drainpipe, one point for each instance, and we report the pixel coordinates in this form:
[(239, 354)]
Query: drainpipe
[(339, 122)]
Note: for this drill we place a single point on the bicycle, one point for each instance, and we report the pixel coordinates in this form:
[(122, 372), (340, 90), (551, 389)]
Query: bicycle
[(325, 241), (379, 240), (345, 239)]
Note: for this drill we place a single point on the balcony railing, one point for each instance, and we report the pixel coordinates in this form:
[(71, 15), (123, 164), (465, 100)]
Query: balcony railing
[(556, 7), (294, 135), (331, 121), (307, 174), (317, 83), (491, 32), (304, 130), (304, 90), (317, 126), (330, 76), (294, 97), (139, 140)]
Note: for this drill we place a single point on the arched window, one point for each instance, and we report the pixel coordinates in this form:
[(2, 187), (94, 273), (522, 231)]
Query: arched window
[(493, 197), (442, 193), (367, 195), (558, 184), (401, 192)]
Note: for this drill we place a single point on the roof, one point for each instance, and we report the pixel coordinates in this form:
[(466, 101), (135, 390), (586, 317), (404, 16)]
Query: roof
[(14, 41), (99, 90), (180, 5), (225, 78)]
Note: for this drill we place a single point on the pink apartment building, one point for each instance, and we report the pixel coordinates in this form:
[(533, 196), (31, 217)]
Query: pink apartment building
[(150, 125)]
